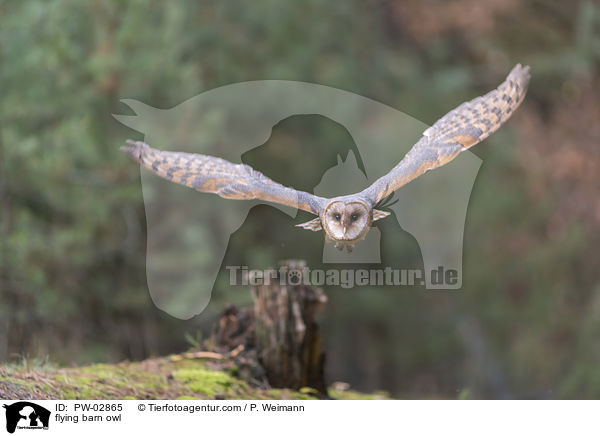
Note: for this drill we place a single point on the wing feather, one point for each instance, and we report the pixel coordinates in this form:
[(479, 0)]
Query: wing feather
[(218, 176), (458, 130)]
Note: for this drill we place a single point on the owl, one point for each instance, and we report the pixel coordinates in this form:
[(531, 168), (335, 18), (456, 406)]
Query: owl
[(345, 220)]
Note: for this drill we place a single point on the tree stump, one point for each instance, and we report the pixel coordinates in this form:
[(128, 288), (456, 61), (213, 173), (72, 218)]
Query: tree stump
[(287, 337)]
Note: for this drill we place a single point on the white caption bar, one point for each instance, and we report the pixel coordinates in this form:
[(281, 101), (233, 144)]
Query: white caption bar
[(299, 417)]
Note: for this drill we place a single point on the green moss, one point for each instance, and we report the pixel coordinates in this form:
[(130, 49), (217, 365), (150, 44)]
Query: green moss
[(274, 394), (292, 395), (100, 371), (354, 395), (234, 371), (465, 394), (205, 382), (162, 378), (106, 381), (309, 391)]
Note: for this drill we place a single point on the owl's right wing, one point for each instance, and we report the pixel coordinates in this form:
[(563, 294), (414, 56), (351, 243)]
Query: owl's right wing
[(218, 176), (457, 131)]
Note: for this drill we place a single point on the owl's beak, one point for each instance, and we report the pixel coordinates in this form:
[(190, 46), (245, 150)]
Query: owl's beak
[(344, 230)]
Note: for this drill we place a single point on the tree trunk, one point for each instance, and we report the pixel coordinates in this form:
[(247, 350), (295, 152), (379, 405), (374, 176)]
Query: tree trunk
[(287, 337)]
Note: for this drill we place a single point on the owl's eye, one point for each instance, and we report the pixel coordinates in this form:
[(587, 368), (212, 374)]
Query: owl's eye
[(354, 216), (337, 217)]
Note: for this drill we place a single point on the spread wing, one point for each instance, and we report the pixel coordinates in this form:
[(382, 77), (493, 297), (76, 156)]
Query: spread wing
[(458, 130), (218, 176)]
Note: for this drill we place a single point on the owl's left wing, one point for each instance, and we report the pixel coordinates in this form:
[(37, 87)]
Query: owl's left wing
[(218, 176), (458, 130)]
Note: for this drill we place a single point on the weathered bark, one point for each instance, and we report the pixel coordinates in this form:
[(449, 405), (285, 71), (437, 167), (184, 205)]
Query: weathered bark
[(287, 337), (277, 342)]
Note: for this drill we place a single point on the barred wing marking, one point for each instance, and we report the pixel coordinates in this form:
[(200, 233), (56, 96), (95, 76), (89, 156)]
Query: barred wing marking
[(458, 130), (218, 176)]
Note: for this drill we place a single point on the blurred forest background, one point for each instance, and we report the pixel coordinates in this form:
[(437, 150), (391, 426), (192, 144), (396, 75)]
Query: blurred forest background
[(72, 227)]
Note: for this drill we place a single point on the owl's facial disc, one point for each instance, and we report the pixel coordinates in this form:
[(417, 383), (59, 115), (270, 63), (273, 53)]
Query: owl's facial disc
[(346, 221)]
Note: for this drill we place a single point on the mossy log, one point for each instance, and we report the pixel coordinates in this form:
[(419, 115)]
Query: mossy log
[(269, 351)]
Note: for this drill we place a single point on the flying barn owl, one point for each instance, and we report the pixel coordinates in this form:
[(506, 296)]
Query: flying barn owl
[(345, 220)]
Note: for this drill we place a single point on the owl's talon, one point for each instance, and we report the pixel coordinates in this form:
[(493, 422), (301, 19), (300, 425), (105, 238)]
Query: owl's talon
[(349, 248), (339, 246)]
